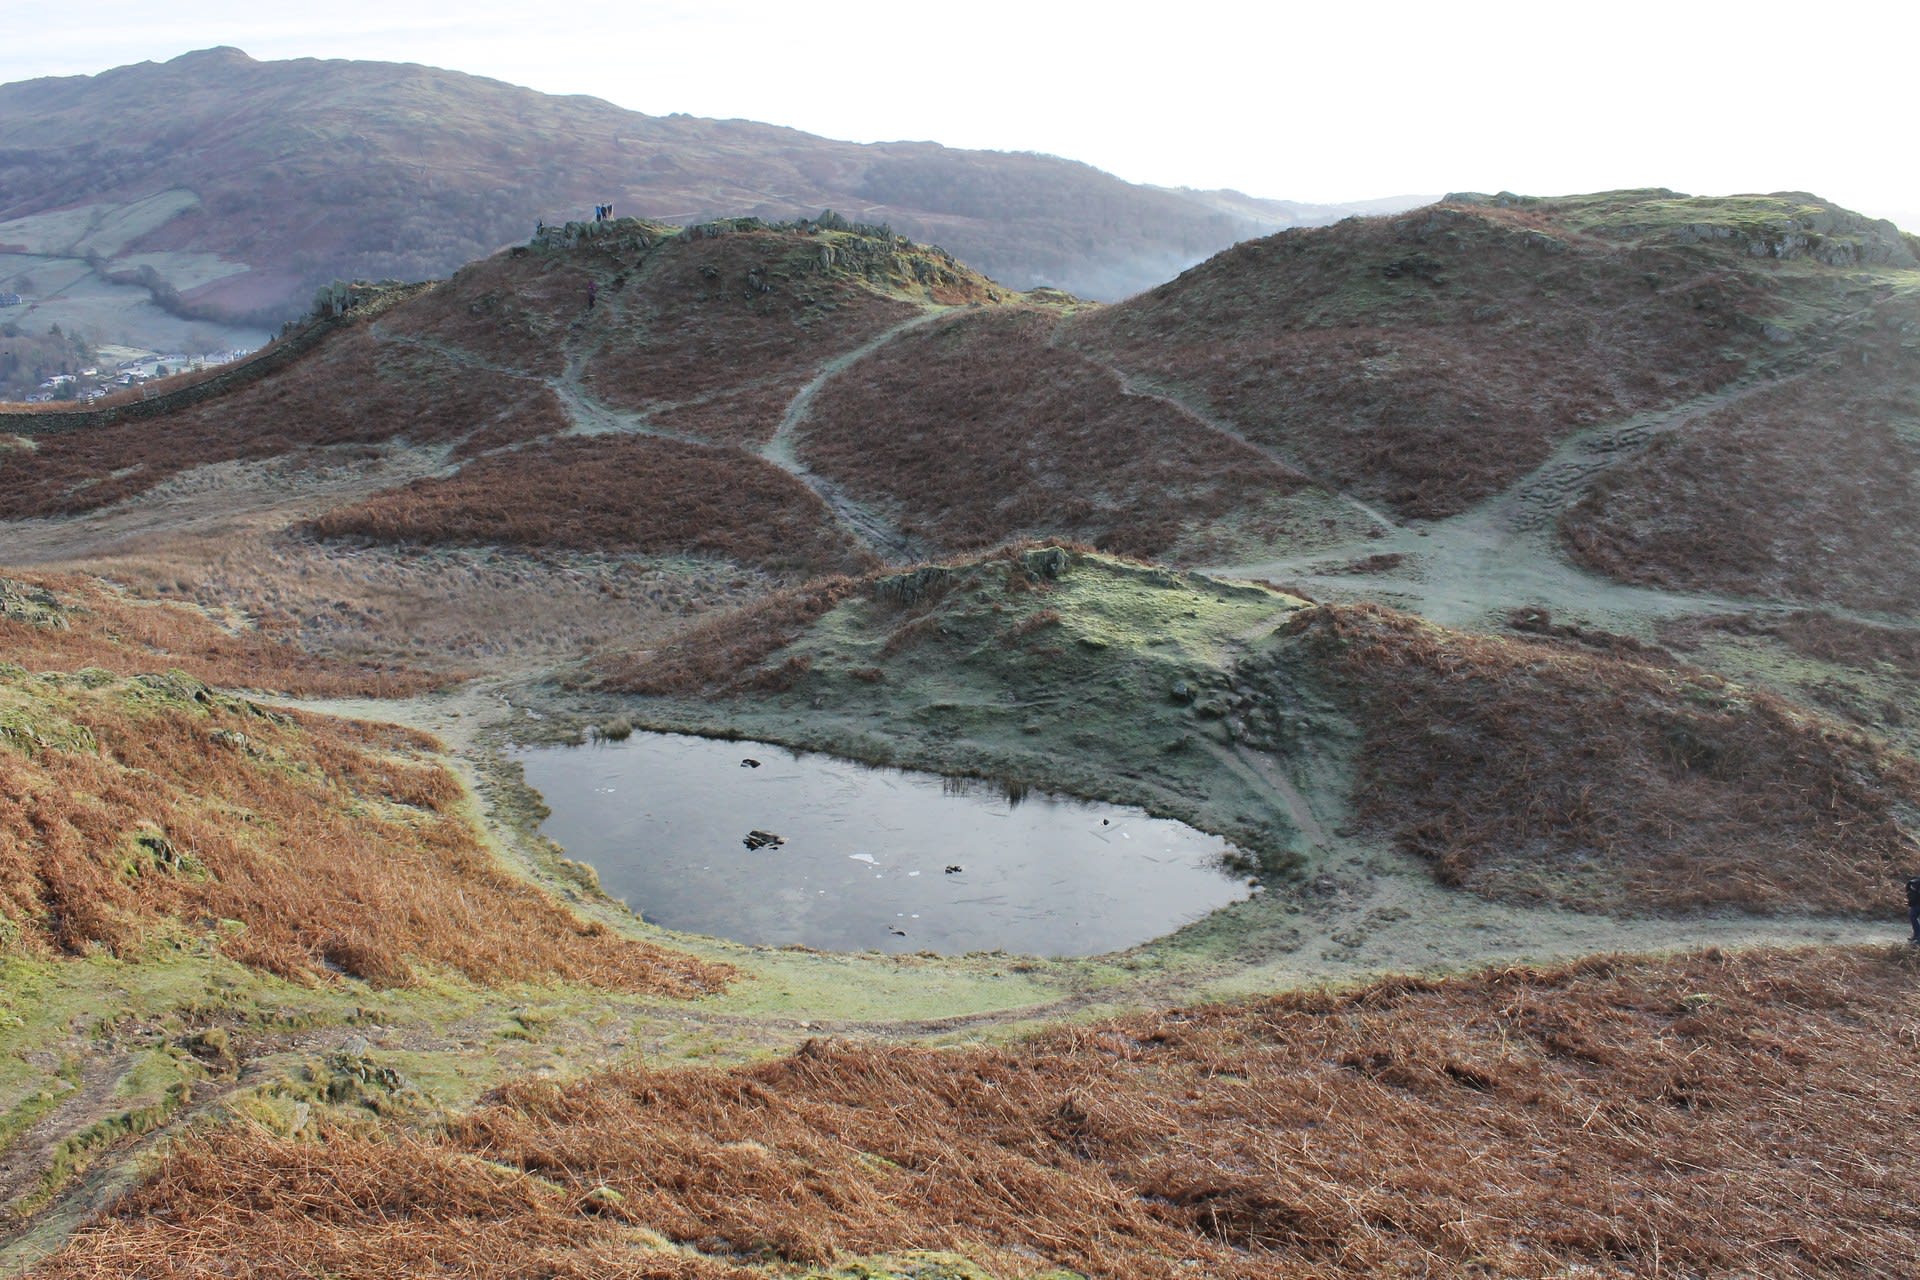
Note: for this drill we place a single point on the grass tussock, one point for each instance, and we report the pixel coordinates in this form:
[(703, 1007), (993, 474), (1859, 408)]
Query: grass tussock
[(54, 622), (639, 493), (1427, 361), (1530, 770), (1804, 491), (306, 846), (979, 430), (353, 390), (1630, 1118)]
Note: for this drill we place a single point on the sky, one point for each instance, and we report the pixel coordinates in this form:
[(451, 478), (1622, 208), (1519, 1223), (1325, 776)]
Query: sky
[(1323, 102)]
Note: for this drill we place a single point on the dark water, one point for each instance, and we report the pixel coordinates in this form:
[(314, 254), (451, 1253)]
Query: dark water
[(662, 817)]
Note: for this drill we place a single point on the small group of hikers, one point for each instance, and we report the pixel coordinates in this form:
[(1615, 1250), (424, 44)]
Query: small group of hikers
[(602, 212)]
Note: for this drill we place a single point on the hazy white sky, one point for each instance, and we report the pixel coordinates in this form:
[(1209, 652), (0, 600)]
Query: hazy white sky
[(1325, 101)]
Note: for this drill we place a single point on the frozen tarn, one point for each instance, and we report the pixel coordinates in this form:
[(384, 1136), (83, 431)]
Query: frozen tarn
[(866, 851)]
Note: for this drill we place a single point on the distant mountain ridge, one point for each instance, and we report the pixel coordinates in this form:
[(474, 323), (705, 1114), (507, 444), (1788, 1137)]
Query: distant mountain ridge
[(229, 188)]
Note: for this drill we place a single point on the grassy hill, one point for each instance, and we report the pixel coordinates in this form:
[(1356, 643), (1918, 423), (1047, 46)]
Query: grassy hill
[(228, 189)]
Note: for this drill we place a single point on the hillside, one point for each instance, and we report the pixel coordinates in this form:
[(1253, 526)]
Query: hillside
[(1513, 767), (1426, 361), (364, 845), (1807, 490), (789, 400), (1620, 1117), (982, 428), (1509, 594), (217, 188)]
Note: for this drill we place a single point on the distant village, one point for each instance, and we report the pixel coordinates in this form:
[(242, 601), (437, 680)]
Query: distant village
[(88, 385)]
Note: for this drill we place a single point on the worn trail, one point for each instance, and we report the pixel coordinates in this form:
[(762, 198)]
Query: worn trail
[(1474, 568), (880, 534)]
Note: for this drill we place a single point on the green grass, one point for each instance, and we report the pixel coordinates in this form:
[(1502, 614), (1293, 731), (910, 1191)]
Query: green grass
[(152, 1090)]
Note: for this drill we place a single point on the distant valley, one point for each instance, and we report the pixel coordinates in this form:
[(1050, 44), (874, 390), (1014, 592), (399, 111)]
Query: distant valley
[(197, 204)]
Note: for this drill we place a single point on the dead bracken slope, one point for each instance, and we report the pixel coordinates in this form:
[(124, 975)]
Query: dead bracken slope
[(1807, 490), (1637, 1118), (1426, 361), (1845, 642), (712, 332), (979, 430), (1528, 771), (613, 493), (352, 391), (132, 809), (59, 622)]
